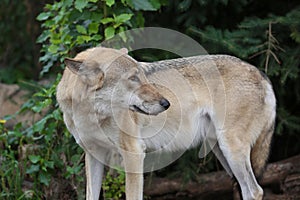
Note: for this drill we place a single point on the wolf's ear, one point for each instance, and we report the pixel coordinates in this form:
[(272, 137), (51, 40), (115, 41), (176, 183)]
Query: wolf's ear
[(73, 65), (124, 50), (88, 70)]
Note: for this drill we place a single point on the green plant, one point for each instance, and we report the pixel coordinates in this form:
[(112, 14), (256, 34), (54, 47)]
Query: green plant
[(9, 171), (114, 185), (33, 154), (79, 24)]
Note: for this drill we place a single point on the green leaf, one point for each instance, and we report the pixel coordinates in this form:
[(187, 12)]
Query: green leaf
[(107, 20), (117, 25), (67, 3), (123, 18), (57, 115), (74, 170), (55, 41), (44, 178), (109, 3), (80, 4), (83, 38), (32, 169), (43, 37), (41, 104), (141, 5), (79, 40), (75, 158), (81, 29), (53, 48), (39, 126), (96, 37), (49, 164), (49, 23), (156, 4), (109, 32), (34, 158), (93, 28), (43, 16), (86, 38), (96, 16)]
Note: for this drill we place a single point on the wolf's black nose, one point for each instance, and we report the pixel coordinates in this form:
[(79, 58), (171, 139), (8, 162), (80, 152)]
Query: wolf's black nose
[(164, 103)]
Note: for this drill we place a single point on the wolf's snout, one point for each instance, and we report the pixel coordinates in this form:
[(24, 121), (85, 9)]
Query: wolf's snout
[(164, 103)]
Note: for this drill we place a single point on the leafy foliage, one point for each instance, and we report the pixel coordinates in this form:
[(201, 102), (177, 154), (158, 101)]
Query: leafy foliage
[(38, 151), (114, 185), (85, 23)]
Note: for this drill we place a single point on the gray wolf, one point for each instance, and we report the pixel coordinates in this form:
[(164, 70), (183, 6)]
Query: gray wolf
[(112, 102)]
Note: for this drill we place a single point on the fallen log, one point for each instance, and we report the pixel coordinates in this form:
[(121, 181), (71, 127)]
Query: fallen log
[(221, 183)]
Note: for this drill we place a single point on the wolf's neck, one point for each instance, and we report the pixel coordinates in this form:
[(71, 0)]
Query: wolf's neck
[(150, 68)]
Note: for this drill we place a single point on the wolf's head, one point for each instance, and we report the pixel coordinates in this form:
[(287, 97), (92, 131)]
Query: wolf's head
[(112, 76)]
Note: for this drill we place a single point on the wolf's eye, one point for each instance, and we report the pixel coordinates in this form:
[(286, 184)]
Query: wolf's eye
[(134, 78)]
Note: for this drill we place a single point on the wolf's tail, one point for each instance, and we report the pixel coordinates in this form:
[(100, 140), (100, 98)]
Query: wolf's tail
[(260, 151), (261, 148)]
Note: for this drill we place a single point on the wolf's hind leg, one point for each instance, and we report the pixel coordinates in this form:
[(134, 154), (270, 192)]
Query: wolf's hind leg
[(237, 155), (219, 154)]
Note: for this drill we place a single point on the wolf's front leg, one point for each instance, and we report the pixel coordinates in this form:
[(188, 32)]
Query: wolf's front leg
[(134, 176), (132, 151), (94, 173)]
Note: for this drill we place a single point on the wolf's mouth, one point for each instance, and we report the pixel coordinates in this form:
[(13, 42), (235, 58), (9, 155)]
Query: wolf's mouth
[(137, 109)]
